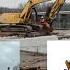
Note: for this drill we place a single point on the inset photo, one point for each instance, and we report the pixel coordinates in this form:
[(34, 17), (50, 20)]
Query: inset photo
[(58, 55), (33, 54)]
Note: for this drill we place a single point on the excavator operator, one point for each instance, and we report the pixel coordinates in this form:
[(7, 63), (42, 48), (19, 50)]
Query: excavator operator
[(43, 22), (46, 25)]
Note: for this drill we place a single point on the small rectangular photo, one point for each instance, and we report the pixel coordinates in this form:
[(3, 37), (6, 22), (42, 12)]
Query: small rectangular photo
[(33, 54), (58, 55), (9, 55)]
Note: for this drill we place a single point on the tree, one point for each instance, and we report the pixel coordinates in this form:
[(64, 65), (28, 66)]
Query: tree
[(20, 6)]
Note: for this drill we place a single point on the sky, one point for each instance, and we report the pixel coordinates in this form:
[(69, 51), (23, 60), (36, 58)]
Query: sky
[(15, 3), (9, 3)]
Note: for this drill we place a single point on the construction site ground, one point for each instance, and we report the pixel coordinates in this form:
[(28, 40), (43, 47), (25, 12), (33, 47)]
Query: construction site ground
[(33, 60), (60, 34)]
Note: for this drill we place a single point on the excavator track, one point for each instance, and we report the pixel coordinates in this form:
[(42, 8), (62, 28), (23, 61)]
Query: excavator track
[(29, 30)]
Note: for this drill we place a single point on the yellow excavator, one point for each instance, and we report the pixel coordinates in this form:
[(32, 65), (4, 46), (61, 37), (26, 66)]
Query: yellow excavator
[(20, 22)]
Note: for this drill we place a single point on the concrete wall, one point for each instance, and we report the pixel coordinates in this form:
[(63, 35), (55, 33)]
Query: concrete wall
[(36, 44), (32, 44)]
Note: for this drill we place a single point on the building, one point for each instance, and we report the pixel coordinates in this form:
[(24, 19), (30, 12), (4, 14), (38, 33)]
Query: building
[(62, 20)]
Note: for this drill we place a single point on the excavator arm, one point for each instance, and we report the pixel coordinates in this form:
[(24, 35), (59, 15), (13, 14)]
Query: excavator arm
[(55, 9), (27, 9)]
